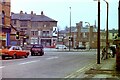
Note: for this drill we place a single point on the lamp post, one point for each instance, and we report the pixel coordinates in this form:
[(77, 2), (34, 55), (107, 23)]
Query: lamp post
[(70, 30), (98, 41), (107, 29), (98, 38), (89, 35), (118, 20)]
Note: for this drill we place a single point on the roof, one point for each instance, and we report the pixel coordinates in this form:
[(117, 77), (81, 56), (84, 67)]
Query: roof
[(32, 17), (83, 29), (41, 18)]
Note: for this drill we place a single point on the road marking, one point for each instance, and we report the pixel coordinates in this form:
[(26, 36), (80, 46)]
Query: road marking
[(77, 73), (51, 58), (2, 67), (28, 62)]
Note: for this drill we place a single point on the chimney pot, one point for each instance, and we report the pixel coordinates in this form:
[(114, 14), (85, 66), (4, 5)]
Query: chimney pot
[(21, 12), (31, 12), (41, 12)]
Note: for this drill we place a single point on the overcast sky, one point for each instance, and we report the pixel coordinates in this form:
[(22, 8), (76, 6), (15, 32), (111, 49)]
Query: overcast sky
[(81, 10)]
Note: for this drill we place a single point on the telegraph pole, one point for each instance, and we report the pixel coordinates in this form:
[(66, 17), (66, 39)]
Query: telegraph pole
[(98, 38), (118, 20)]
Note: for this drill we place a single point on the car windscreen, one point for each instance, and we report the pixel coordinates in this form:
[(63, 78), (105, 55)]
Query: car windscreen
[(38, 46)]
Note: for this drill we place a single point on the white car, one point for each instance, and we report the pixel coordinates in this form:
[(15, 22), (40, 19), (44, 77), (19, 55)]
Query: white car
[(60, 46)]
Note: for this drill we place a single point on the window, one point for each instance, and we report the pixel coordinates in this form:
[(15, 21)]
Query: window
[(3, 17), (34, 24), (34, 40), (84, 35), (46, 24), (23, 24), (14, 22), (45, 33), (34, 33)]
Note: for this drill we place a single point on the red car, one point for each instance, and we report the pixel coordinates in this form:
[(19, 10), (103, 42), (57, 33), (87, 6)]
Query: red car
[(14, 52)]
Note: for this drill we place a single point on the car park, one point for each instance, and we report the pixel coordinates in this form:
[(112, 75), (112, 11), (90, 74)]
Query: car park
[(60, 46), (37, 50), (14, 52)]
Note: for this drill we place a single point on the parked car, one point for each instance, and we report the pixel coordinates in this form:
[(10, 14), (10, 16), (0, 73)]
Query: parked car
[(37, 50), (80, 47), (60, 46), (14, 52)]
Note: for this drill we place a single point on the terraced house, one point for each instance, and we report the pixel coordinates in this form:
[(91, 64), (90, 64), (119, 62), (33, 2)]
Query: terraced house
[(35, 29)]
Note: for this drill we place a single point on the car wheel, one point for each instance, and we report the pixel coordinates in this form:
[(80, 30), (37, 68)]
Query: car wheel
[(14, 56), (26, 56), (3, 57), (42, 53), (32, 54)]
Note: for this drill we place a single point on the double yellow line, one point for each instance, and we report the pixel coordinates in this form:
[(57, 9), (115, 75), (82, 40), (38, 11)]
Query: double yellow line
[(77, 73)]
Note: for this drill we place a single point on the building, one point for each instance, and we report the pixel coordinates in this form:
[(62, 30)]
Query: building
[(5, 22), (81, 36), (86, 36), (36, 29)]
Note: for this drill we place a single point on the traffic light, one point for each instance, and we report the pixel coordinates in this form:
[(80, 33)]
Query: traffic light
[(17, 35)]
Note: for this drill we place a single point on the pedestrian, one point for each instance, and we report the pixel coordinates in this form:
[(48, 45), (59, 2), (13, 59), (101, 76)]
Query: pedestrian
[(103, 54)]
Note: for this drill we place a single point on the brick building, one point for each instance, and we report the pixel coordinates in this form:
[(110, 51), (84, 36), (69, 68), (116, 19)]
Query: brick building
[(82, 36), (5, 22), (86, 36), (36, 29)]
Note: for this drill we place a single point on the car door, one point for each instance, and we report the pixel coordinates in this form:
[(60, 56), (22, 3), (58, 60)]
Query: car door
[(22, 52), (18, 52)]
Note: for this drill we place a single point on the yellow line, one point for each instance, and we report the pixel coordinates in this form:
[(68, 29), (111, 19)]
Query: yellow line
[(76, 73)]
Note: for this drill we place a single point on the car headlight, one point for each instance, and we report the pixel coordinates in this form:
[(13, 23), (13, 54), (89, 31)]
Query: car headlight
[(4, 54)]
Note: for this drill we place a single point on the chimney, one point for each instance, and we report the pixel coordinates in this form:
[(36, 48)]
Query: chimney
[(21, 12), (25, 12), (31, 12), (12, 13), (81, 24), (42, 13)]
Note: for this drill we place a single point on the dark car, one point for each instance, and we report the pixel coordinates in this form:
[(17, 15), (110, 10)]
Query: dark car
[(37, 50), (81, 47)]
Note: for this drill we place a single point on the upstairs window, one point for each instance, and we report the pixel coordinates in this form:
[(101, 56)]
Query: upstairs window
[(14, 22), (3, 17), (23, 24), (45, 34)]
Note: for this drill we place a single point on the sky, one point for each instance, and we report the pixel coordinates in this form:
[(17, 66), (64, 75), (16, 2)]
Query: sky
[(81, 10)]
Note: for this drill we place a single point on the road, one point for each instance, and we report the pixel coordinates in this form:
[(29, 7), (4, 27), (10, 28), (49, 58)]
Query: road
[(51, 65)]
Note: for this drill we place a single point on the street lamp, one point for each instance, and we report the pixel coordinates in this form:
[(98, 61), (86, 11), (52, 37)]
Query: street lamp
[(70, 30), (118, 20), (107, 29), (98, 38), (89, 35)]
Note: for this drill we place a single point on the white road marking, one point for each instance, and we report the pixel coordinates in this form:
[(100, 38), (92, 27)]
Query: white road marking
[(2, 67), (37, 60), (28, 62), (51, 58)]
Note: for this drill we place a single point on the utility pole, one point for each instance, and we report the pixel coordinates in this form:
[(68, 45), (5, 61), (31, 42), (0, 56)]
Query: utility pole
[(107, 28), (98, 38), (70, 31), (119, 19)]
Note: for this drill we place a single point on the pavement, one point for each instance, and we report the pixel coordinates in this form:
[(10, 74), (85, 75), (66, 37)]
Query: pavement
[(106, 70)]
